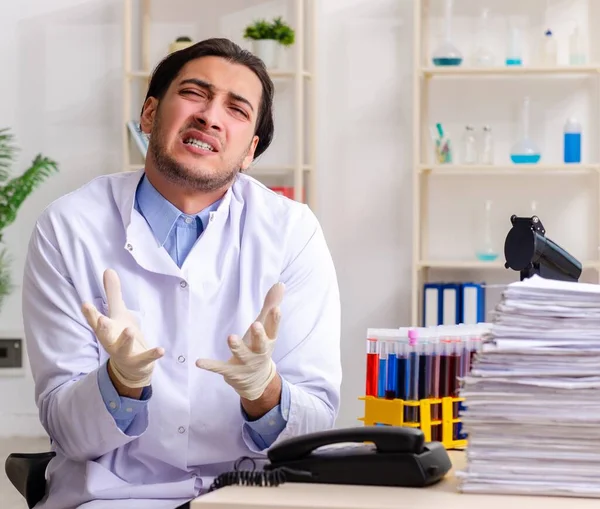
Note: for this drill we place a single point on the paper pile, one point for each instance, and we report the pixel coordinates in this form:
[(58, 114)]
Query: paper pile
[(533, 395)]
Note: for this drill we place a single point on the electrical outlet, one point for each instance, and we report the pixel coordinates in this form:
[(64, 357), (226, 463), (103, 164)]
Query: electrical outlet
[(11, 353)]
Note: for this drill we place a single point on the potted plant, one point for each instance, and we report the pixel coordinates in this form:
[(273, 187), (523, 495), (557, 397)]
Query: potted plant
[(268, 37), (13, 193), (180, 43)]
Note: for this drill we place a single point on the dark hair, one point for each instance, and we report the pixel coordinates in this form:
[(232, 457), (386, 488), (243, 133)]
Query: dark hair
[(168, 69)]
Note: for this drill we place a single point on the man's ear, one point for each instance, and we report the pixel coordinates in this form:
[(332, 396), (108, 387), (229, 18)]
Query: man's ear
[(148, 114), (250, 155)]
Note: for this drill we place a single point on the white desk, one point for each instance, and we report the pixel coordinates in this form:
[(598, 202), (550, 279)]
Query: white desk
[(323, 496)]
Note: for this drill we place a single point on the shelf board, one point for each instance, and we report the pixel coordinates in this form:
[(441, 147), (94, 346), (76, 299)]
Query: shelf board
[(273, 73), (509, 71), (461, 264), (466, 169), (476, 264)]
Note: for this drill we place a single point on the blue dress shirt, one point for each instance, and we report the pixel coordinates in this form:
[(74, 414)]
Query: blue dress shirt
[(178, 232)]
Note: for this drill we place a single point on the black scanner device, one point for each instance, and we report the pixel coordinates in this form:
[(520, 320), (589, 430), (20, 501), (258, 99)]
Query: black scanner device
[(365, 455)]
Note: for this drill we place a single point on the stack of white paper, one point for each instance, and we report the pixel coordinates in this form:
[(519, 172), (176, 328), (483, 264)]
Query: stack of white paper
[(533, 395)]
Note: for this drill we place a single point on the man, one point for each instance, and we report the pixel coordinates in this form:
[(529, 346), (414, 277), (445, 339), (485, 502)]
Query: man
[(138, 287)]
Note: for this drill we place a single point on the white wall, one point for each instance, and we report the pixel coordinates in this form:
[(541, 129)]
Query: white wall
[(61, 91)]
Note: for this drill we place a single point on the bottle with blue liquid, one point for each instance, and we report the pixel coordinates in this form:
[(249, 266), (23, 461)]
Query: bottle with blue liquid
[(572, 141)]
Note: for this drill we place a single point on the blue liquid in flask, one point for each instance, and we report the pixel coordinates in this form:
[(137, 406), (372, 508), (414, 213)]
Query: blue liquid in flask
[(525, 158), (447, 61)]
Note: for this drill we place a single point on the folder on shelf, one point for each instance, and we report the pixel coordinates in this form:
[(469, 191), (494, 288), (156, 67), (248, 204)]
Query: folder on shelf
[(473, 303), (451, 304), (432, 304)]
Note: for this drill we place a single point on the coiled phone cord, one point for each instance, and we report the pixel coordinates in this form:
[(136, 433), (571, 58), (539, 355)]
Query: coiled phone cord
[(255, 477)]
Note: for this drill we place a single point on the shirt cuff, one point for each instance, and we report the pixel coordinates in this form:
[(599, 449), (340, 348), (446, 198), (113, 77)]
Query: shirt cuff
[(264, 431), (123, 410)]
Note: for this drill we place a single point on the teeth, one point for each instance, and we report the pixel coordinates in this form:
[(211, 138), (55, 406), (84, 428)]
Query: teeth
[(199, 144)]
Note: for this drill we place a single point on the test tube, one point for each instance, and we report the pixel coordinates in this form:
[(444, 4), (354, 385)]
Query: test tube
[(412, 412), (458, 363), (445, 368), (434, 388), (466, 357), (425, 362), (383, 362), (372, 367), (403, 369), (391, 389)]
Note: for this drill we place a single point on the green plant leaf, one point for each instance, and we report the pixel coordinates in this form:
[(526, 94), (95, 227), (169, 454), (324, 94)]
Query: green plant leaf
[(277, 30), (14, 193), (8, 153)]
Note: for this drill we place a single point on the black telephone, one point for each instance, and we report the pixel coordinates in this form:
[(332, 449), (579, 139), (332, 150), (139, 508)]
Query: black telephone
[(365, 455)]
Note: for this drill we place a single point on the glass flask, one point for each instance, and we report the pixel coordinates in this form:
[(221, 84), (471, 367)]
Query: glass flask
[(447, 53), (525, 151)]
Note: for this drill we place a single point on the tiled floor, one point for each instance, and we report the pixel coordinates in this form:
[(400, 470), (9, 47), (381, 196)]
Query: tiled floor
[(9, 496)]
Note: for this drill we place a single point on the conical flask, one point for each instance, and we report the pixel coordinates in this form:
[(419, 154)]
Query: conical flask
[(447, 53), (525, 151)]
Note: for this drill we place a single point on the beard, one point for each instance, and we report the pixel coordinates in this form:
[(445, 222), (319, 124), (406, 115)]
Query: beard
[(194, 178)]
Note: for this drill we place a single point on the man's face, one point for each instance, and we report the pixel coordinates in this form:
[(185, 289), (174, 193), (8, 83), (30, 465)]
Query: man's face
[(202, 130)]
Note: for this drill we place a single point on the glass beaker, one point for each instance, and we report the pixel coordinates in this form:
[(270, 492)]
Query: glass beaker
[(514, 54), (447, 53), (525, 151), (485, 249), (483, 56)]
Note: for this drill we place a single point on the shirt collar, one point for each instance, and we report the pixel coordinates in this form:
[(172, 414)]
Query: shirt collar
[(160, 213)]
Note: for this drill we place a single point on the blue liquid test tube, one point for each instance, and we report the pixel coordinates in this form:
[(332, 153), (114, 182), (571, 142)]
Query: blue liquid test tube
[(383, 362), (391, 390)]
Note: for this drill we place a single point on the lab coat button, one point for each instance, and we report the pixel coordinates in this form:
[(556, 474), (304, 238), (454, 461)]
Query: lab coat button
[(183, 284), (129, 247), (181, 359), (181, 429)]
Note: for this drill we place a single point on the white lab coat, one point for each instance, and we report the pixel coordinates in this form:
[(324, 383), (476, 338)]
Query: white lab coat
[(193, 428)]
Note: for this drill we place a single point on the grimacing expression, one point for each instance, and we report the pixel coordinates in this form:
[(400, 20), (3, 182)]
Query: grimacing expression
[(202, 130)]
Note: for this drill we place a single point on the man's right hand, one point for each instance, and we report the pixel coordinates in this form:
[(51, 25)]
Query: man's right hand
[(131, 362)]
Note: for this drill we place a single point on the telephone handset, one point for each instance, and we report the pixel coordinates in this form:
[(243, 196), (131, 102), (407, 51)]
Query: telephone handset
[(365, 455)]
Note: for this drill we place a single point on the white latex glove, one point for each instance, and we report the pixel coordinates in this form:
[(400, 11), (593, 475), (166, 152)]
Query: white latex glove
[(119, 333), (250, 369)]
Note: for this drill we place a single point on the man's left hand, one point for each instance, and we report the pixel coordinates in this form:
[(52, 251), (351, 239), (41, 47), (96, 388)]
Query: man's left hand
[(250, 369)]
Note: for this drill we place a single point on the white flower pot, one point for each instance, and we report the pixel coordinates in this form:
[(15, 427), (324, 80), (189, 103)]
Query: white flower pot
[(268, 51)]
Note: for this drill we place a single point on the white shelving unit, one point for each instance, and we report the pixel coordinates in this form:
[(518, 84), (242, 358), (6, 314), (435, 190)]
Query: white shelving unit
[(424, 74), (300, 171)]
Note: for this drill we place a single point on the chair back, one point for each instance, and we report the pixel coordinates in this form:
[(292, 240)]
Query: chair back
[(27, 473)]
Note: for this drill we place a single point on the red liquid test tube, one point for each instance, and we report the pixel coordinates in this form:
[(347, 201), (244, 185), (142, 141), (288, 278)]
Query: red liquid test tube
[(372, 367)]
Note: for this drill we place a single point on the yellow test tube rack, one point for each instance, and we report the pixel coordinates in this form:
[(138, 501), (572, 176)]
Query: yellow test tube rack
[(390, 412)]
